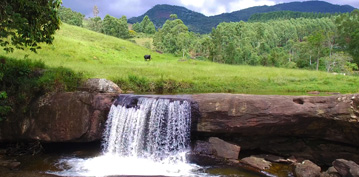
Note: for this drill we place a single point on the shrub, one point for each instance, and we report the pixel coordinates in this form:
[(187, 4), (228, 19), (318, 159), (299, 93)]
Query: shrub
[(22, 81)]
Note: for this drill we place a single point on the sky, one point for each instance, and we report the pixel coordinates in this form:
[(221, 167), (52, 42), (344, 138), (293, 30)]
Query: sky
[(134, 8)]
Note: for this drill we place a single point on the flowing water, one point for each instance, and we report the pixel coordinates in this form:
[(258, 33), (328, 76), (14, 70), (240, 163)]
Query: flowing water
[(143, 136)]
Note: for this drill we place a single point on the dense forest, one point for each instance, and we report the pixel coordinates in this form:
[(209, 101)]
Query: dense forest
[(282, 15), (317, 41), (202, 24)]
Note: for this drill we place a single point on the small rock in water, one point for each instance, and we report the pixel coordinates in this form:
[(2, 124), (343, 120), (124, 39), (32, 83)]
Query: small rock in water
[(307, 169), (257, 162)]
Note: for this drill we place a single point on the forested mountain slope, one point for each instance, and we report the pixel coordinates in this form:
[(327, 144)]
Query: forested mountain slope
[(198, 22)]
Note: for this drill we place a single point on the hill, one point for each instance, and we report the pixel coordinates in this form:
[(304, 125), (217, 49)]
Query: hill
[(198, 22), (101, 56)]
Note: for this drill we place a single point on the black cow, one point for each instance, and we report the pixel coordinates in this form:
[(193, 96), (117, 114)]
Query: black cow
[(147, 57)]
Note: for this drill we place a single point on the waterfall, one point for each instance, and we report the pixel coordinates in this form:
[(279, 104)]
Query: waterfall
[(152, 128), (143, 137)]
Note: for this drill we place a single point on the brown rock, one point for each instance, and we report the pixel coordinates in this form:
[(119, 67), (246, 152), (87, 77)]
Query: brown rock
[(331, 172), (61, 117), (9, 164), (274, 158), (346, 168), (224, 149), (204, 148), (256, 162), (307, 169), (334, 118)]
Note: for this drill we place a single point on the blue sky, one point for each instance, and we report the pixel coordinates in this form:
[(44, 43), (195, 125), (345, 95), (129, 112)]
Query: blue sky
[(132, 8)]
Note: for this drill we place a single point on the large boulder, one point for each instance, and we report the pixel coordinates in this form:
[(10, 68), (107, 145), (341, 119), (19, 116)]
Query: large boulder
[(334, 118), (61, 117), (100, 85)]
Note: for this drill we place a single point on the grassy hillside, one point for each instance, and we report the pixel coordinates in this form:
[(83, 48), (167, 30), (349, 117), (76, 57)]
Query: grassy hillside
[(102, 56)]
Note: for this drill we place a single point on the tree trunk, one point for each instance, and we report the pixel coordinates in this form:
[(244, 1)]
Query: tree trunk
[(317, 61)]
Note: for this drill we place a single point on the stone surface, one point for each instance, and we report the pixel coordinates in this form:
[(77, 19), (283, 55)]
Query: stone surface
[(204, 148), (331, 172), (346, 168), (307, 169), (334, 118), (273, 158), (216, 147), (61, 117), (224, 149), (100, 85), (256, 162)]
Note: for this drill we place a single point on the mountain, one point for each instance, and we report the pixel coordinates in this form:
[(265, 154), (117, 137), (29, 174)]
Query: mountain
[(200, 23)]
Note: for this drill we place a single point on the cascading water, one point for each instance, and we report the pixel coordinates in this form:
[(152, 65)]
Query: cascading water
[(155, 129), (143, 136)]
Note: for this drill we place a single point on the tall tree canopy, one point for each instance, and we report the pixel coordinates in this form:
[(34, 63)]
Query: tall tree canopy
[(27, 23), (348, 28)]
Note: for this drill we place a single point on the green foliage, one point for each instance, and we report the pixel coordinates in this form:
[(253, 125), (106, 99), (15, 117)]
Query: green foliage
[(71, 17), (286, 15), (146, 26), (25, 80), (94, 24), (280, 43), (115, 27), (27, 23), (348, 27), (174, 38)]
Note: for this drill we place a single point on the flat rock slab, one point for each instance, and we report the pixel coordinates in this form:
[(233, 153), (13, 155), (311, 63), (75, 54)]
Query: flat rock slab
[(334, 118)]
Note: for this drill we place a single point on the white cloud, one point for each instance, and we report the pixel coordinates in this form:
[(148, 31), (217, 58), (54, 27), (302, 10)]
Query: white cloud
[(215, 7)]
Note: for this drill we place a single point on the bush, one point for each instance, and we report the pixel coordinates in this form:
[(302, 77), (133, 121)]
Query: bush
[(22, 81)]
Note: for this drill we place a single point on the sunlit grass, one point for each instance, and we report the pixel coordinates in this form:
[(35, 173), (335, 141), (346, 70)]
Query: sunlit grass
[(122, 61)]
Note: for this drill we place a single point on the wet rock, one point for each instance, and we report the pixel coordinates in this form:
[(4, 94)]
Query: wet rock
[(217, 147), (346, 168), (331, 172), (9, 164), (256, 162), (224, 149), (274, 158), (204, 148), (100, 85), (307, 169)]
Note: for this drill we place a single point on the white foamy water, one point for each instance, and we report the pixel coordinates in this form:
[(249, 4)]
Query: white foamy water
[(151, 137)]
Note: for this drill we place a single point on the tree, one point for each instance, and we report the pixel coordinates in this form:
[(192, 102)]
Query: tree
[(173, 37), (316, 41), (348, 29), (95, 11), (173, 16), (94, 24), (115, 27), (123, 28), (27, 23), (71, 17)]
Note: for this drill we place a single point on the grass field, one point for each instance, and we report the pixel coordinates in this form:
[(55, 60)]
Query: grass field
[(102, 56)]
